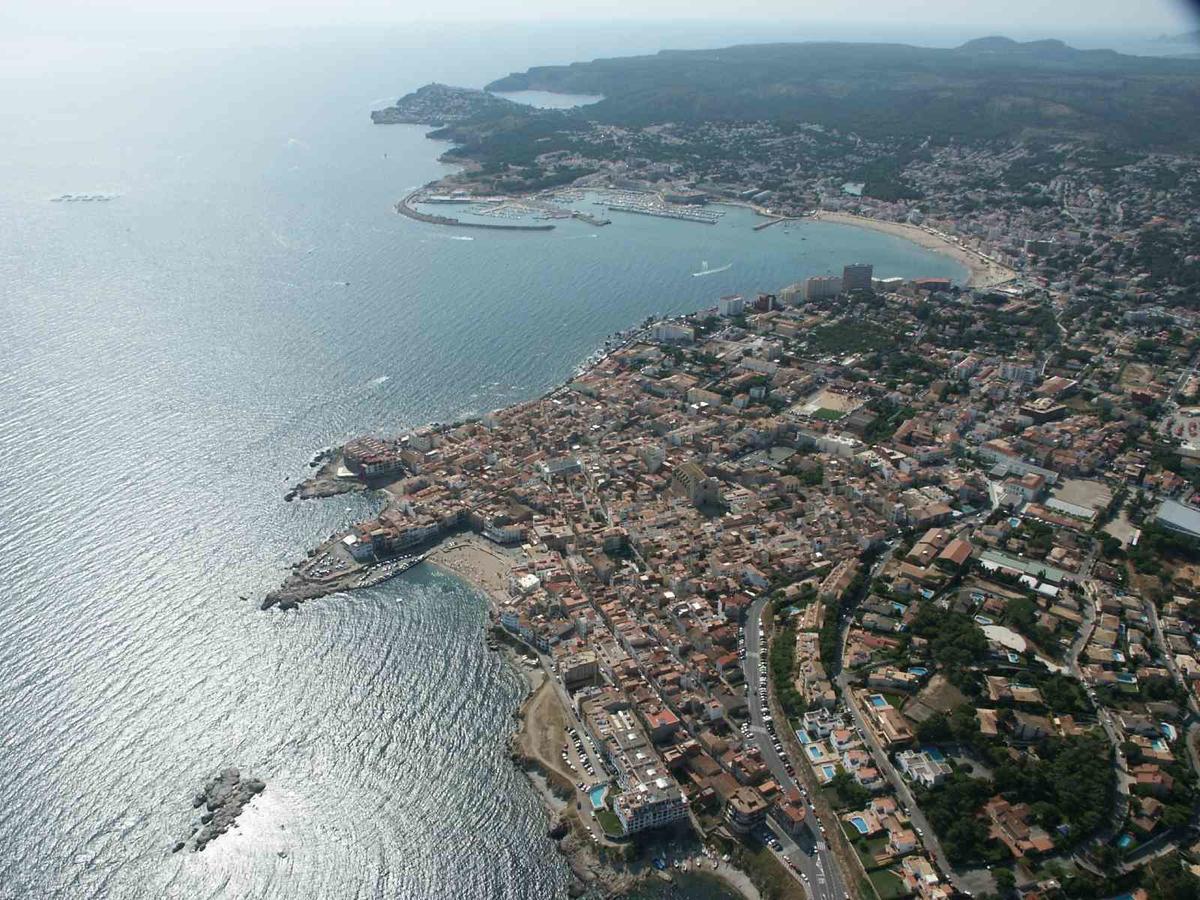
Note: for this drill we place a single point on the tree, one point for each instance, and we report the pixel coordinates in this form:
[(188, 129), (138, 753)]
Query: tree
[(935, 730), (1167, 879), (1006, 881)]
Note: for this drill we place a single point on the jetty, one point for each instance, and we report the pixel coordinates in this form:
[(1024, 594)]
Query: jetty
[(405, 208)]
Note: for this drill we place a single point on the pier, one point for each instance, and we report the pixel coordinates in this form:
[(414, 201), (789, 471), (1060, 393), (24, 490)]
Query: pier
[(662, 214), (767, 224)]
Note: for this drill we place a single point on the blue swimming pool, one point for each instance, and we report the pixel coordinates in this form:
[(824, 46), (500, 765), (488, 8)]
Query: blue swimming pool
[(814, 751), (983, 620), (919, 671), (1125, 841), (597, 795), (934, 753), (860, 823), (878, 701), (829, 771), (1126, 678)]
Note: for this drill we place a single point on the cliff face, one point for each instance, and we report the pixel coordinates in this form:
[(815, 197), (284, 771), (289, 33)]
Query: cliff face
[(441, 104)]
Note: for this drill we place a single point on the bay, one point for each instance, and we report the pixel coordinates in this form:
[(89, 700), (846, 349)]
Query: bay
[(169, 362)]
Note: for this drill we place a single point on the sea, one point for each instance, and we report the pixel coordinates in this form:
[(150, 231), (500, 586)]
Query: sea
[(170, 361)]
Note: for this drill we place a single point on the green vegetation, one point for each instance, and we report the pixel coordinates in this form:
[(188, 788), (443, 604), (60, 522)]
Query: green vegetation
[(900, 91), (1167, 879), (783, 664), (1157, 544), (887, 885), (955, 642), (849, 336), (961, 726), (850, 793), (1070, 780), (951, 809), (609, 822)]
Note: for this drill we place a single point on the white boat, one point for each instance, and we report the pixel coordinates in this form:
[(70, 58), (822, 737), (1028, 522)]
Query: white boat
[(705, 270)]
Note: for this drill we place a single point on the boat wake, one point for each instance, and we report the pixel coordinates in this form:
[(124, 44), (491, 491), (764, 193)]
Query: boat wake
[(705, 270)]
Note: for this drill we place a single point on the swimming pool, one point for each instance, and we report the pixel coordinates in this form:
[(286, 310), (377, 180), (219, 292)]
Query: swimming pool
[(878, 701), (815, 751), (934, 753), (1126, 678), (1125, 841), (919, 671), (829, 771), (860, 823), (597, 795), (983, 620)]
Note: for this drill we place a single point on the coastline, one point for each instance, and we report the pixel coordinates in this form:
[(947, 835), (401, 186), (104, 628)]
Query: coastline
[(983, 273), (541, 719)]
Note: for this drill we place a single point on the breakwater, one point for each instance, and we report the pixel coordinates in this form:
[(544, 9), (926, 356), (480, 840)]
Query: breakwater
[(405, 208)]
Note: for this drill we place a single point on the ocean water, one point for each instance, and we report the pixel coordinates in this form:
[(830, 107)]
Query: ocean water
[(170, 361)]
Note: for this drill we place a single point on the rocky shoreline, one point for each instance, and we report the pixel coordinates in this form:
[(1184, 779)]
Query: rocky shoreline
[(223, 799), (606, 872)]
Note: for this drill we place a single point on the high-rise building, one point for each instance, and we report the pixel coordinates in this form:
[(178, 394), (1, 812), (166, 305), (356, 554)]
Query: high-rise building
[(822, 286), (792, 295), (733, 305), (857, 277)]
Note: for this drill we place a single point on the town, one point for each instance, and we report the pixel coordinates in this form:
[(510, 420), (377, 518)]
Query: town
[(882, 588)]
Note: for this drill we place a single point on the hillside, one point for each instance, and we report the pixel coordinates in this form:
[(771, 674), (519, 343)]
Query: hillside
[(987, 88)]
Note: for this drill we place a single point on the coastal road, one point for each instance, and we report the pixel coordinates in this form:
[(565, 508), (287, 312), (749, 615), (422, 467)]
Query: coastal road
[(809, 852)]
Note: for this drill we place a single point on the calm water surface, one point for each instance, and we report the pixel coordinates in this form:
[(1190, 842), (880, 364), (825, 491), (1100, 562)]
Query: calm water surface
[(169, 362)]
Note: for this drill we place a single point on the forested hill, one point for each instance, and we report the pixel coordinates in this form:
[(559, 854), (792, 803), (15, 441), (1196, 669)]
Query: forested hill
[(987, 88)]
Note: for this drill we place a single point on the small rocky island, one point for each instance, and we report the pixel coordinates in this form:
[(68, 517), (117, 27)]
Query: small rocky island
[(441, 104), (223, 798)]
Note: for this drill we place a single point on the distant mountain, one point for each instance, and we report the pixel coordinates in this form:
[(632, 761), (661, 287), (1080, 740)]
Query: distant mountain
[(1188, 37), (992, 87)]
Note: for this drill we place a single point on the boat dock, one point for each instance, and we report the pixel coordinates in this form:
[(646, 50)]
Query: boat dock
[(662, 213), (392, 568)]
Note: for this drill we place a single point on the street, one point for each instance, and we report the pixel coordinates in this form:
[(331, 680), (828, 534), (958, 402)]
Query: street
[(810, 853)]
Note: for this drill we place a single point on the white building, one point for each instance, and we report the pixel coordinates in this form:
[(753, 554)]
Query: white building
[(650, 805), (733, 305), (822, 286), (672, 333)]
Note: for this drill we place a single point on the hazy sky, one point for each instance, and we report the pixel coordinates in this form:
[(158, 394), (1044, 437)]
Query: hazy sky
[(1025, 16)]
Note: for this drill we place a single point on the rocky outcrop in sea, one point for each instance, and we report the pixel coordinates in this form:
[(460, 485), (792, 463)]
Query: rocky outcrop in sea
[(223, 800)]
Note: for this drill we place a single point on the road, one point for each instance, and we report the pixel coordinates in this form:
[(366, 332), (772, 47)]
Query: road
[(926, 833), (810, 853)]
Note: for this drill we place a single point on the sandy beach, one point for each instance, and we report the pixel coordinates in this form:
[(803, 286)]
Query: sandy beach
[(983, 273), (479, 561)]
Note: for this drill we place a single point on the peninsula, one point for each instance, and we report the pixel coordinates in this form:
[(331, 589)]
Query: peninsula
[(866, 588)]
